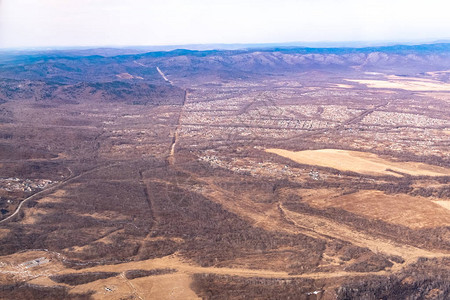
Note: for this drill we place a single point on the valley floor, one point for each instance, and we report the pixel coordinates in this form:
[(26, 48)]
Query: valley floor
[(255, 188)]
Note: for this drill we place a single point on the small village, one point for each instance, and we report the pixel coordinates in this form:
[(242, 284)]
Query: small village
[(14, 184)]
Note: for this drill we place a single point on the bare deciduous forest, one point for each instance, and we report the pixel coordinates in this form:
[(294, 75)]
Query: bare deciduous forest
[(287, 173)]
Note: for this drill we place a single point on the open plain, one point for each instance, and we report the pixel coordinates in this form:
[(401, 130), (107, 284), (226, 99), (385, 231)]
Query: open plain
[(248, 174)]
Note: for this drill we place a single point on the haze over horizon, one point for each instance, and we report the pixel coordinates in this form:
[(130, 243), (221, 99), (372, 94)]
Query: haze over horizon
[(92, 23)]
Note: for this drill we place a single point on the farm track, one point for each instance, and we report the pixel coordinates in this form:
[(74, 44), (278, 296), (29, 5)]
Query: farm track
[(131, 286)]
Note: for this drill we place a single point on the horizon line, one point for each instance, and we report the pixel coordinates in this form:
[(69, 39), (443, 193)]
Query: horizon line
[(235, 46)]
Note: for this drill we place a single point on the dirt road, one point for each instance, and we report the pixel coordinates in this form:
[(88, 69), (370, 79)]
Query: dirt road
[(51, 189), (171, 158)]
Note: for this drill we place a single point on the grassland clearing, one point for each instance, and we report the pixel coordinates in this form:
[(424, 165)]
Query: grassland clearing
[(444, 203), (405, 83), (334, 229), (413, 212), (359, 162)]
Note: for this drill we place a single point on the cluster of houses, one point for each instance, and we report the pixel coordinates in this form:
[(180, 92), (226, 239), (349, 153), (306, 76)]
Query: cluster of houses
[(14, 184)]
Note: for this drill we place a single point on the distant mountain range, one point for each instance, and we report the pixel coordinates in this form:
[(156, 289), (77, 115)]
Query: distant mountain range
[(136, 69), (123, 50)]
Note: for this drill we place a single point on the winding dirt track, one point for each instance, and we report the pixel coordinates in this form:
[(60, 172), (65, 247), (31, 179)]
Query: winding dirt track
[(53, 188), (177, 263), (180, 266), (327, 227), (174, 285)]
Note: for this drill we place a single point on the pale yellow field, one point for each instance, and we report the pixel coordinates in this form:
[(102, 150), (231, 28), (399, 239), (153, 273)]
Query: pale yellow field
[(344, 86), (413, 212), (359, 162), (171, 286), (444, 203), (405, 83)]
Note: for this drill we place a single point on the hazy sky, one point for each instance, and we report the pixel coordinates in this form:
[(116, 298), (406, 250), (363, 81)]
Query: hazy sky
[(42, 23)]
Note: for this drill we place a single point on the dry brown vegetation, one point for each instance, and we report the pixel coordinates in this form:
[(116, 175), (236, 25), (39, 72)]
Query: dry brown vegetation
[(401, 209), (233, 179)]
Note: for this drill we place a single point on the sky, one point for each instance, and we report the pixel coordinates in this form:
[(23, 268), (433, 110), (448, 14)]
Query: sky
[(68, 23)]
